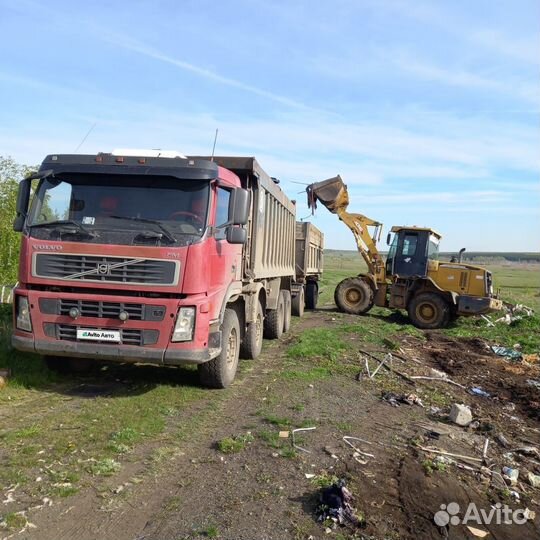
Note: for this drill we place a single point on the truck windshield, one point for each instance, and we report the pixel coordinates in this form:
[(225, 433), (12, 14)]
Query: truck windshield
[(123, 209)]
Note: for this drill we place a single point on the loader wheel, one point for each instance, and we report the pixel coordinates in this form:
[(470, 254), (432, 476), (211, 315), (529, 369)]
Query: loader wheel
[(312, 294), (252, 342), (429, 311), (353, 295), (298, 303), (220, 371), (273, 323)]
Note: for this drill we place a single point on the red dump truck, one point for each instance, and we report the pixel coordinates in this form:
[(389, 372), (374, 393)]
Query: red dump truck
[(155, 257)]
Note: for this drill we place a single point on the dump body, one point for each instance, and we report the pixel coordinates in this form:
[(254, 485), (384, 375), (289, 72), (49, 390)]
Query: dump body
[(309, 251), (270, 250)]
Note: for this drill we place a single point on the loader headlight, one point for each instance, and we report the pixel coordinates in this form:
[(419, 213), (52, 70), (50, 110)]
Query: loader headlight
[(23, 321), (185, 322)]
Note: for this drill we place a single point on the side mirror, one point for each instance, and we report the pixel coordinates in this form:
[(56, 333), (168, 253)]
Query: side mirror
[(239, 207), (388, 237), (23, 197), (236, 235)]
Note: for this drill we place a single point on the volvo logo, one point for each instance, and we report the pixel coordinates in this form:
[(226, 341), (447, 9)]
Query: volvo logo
[(48, 247), (103, 269)]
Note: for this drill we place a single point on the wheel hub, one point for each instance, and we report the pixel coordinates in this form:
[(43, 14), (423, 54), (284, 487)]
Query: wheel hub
[(232, 343), (353, 296), (427, 312)]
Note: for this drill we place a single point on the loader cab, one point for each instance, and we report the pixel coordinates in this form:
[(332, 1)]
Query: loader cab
[(410, 251)]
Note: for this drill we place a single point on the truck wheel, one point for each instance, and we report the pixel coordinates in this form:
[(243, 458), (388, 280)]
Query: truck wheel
[(298, 303), (429, 311), (312, 294), (220, 371), (353, 295), (287, 313), (252, 343), (273, 323)]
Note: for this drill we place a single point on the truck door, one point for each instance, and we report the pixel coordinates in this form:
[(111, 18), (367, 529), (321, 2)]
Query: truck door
[(411, 257), (226, 258)]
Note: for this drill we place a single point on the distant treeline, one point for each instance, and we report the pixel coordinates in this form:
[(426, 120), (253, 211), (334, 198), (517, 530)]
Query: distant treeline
[(476, 256)]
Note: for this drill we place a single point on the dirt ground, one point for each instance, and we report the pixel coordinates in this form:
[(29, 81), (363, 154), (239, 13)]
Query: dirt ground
[(262, 491)]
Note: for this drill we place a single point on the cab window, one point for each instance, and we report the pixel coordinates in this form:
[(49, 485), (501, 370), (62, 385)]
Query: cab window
[(433, 248), (409, 245), (222, 211)]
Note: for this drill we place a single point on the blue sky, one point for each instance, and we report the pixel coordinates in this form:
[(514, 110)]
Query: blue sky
[(429, 110)]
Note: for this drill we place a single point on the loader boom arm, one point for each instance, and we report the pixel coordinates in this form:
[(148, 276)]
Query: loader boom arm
[(332, 193)]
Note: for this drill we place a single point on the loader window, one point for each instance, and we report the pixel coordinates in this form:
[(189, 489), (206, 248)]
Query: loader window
[(433, 248), (409, 245)]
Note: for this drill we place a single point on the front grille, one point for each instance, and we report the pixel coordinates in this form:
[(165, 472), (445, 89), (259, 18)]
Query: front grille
[(94, 268), (128, 336), (109, 310), (102, 309)]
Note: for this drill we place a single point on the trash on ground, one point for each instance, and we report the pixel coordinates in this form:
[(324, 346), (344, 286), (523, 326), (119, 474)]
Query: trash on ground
[(477, 532), (506, 352), (511, 474), (477, 391), (396, 399), (534, 382), (534, 479), (336, 505), (283, 435), (347, 439), (294, 441), (502, 440), (460, 414)]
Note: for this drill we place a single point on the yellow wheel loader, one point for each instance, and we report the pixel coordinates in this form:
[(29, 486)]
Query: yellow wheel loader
[(412, 278)]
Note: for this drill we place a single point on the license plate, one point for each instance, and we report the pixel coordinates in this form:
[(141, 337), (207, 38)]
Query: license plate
[(90, 334)]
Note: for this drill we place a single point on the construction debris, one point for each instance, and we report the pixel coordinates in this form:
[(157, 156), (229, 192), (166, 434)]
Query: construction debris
[(396, 399), (460, 414), (294, 431), (506, 352)]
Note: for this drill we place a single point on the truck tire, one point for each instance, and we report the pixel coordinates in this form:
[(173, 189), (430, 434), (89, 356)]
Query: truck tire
[(312, 294), (298, 304), (273, 323), (353, 295), (287, 313), (429, 311), (220, 371), (252, 342)]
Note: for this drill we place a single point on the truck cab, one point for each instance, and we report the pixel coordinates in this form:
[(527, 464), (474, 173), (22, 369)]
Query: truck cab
[(128, 258)]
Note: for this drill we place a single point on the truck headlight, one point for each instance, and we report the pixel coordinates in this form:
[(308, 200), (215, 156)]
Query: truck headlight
[(185, 322), (23, 321)]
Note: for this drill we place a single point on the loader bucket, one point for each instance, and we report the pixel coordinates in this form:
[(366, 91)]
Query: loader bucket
[(332, 193)]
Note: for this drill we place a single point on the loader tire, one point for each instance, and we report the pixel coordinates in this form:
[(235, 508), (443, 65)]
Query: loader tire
[(220, 371), (312, 295), (429, 311), (287, 312), (298, 303), (273, 323), (353, 295), (253, 340)]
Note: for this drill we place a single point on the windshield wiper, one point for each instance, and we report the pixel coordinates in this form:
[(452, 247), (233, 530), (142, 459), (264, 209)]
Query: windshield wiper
[(59, 223), (166, 233)]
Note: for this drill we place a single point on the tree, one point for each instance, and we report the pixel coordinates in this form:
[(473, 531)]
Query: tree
[(10, 174)]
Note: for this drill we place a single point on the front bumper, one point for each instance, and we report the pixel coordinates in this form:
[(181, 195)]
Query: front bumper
[(474, 305), (138, 355)]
